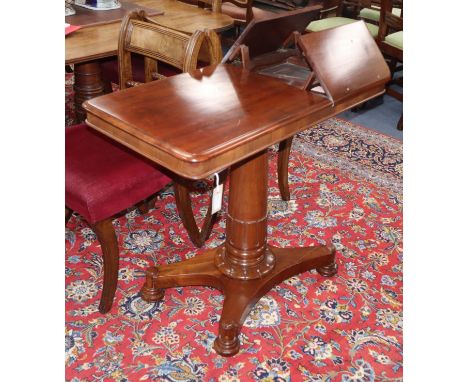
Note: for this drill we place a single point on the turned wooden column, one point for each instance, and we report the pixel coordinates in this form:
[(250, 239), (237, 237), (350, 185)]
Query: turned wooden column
[(244, 268), (88, 84), (245, 255)]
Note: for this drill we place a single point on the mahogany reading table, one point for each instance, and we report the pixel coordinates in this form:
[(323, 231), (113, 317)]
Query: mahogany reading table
[(198, 123)]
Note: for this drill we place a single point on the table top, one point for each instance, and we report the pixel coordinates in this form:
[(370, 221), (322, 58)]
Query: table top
[(101, 41), (200, 122), (86, 17)]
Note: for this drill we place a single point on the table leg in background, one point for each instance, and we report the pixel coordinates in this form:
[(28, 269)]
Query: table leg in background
[(88, 84)]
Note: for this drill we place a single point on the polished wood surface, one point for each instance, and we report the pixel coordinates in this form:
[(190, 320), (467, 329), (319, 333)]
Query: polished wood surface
[(343, 72), (223, 108), (230, 116), (221, 113), (101, 41), (86, 17)]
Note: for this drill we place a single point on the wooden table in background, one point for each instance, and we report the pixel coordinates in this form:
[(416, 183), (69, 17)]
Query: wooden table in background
[(86, 46)]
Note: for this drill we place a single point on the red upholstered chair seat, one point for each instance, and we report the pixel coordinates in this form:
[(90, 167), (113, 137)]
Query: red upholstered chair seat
[(104, 178)]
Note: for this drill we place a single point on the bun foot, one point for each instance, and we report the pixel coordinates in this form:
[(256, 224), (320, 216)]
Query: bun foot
[(328, 270), (227, 343), (332, 268), (149, 292)]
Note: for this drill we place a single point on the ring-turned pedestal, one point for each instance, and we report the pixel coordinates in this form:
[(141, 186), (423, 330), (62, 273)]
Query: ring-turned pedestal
[(245, 268)]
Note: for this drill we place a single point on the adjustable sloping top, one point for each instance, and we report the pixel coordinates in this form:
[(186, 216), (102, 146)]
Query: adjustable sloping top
[(346, 61)]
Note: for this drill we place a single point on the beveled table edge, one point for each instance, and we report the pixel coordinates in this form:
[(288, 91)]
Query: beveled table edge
[(203, 167)]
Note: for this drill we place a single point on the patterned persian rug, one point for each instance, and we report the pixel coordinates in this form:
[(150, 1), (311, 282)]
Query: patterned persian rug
[(346, 184)]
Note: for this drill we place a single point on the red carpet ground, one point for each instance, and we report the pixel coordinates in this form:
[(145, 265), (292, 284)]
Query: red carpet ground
[(346, 185)]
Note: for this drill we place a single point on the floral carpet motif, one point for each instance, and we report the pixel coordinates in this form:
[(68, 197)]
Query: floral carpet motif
[(346, 185)]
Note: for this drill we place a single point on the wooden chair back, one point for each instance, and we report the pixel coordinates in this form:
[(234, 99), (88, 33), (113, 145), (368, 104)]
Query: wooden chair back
[(215, 6), (389, 23), (156, 43), (244, 4)]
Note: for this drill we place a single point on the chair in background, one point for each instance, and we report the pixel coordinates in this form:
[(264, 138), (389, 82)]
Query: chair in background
[(390, 41), (332, 16), (242, 11), (158, 44), (103, 178), (371, 12)]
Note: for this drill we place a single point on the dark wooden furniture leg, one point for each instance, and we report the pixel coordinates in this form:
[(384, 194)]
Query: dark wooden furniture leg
[(245, 268), (105, 233), (88, 84), (400, 122), (283, 160), (68, 214), (184, 207), (145, 205)]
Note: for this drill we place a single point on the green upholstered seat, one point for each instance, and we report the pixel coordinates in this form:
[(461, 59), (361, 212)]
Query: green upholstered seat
[(395, 39), (374, 14), (333, 22)]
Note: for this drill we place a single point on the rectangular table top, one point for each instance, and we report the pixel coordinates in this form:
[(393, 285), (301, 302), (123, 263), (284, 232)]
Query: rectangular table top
[(200, 122)]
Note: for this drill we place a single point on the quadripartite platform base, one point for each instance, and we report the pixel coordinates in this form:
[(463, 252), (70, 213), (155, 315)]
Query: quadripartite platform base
[(240, 295)]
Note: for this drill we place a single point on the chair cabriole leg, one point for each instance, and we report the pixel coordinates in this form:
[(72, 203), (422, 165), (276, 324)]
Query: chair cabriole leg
[(110, 252)]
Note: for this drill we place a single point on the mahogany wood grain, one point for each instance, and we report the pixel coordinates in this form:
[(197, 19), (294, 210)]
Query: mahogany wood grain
[(206, 94), (222, 113), (342, 72), (231, 115)]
